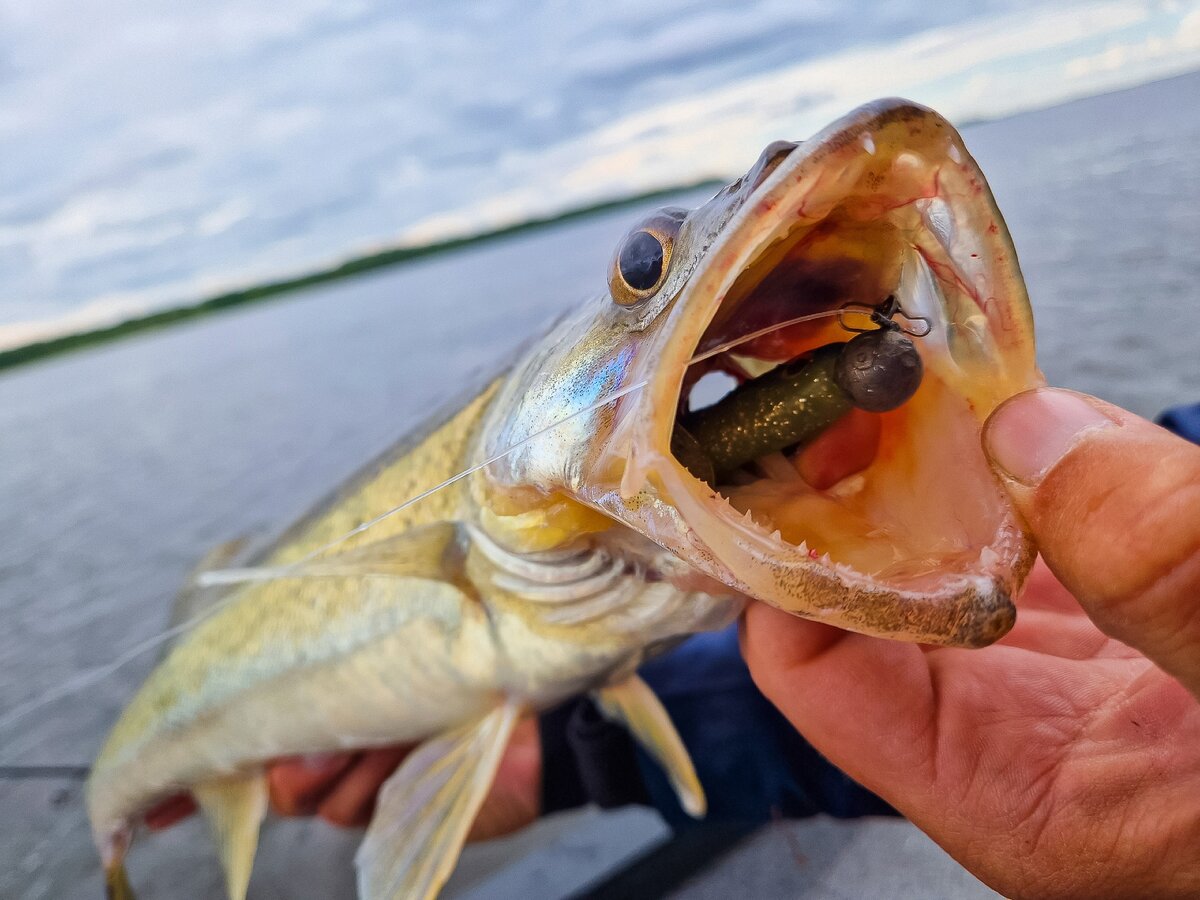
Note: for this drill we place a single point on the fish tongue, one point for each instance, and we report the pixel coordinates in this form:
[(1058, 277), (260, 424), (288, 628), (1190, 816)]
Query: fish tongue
[(845, 448)]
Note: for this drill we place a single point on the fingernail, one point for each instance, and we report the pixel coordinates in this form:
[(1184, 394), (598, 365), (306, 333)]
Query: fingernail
[(1027, 435)]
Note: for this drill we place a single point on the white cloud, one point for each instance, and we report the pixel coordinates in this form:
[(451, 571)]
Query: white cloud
[(1180, 49)]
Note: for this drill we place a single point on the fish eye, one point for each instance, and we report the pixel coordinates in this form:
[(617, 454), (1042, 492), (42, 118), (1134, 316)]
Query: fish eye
[(643, 258)]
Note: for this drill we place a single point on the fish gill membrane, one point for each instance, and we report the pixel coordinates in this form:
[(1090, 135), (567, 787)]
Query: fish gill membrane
[(796, 281)]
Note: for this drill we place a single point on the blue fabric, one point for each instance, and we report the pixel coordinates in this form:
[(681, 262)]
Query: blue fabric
[(753, 764), (1183, 420)]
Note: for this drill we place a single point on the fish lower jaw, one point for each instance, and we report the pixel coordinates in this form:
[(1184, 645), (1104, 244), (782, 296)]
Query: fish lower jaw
[(750, 529), (967, 606)]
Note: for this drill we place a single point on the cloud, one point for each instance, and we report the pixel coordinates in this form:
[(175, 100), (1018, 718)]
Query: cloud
[(1179, 49)]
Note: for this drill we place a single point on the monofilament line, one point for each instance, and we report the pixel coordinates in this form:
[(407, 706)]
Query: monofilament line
[(92, 676), (241, 576), (237, 576), (257, 573)]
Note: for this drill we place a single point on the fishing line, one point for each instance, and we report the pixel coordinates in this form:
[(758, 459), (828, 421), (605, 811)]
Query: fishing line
[(241, 576), (258, 574), (93, 676)]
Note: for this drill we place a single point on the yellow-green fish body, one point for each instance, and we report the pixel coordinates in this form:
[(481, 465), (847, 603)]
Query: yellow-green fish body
[(580, 545)]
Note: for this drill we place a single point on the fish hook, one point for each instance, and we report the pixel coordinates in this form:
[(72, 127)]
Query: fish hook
[(882, 315)]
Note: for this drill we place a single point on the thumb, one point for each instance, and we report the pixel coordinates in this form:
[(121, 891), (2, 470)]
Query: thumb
[(1114, 504)]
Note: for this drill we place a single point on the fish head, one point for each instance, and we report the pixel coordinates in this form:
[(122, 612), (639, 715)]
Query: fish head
[(914, 539)]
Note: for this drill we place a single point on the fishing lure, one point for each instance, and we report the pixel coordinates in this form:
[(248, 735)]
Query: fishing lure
[(792, 404)]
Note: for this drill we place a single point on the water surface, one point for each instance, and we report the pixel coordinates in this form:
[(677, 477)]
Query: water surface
[(122, 465)]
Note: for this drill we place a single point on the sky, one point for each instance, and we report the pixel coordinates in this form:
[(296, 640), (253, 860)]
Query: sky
[(154, 153)]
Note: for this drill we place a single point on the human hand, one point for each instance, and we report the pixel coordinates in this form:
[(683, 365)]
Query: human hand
[(341, 787), (1060, 761)]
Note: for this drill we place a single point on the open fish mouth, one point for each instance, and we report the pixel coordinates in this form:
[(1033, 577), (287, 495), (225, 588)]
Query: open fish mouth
[(889, 523)]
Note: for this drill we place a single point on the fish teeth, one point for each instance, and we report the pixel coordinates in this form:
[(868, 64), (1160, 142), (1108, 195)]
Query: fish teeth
[(847, 571)]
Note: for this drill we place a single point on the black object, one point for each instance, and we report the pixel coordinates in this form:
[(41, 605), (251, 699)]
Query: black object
[(668, 864), (588, 759), (879, 370)]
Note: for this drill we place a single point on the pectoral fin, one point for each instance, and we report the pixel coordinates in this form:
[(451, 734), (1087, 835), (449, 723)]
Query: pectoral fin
[(235, 808), (425, 809), (632, 703)]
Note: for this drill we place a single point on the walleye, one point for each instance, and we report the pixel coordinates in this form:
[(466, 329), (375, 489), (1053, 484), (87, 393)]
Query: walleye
[(588, 542)]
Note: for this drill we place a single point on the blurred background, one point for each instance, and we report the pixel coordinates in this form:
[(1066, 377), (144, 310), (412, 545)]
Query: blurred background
[(155, 155)]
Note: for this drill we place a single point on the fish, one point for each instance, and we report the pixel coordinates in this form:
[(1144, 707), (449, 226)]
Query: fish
[(579, 528)]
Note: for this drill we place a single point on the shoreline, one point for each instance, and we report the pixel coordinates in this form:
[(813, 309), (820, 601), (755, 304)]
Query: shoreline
[(354, 266)]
